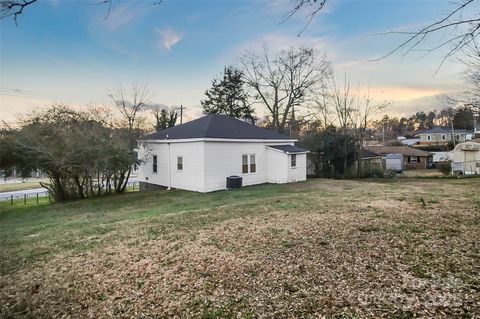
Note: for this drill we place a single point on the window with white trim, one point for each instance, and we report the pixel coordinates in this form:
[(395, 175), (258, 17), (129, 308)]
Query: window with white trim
[(253, 165), (179, 163), (429, 137), (444, 137), (293, 160), (154, 166), (413, 159), (249, 164)]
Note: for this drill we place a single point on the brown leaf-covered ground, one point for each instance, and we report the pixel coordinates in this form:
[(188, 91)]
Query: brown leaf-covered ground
[(324, 248)]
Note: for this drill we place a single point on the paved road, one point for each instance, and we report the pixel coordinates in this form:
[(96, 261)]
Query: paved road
[(41, 191)]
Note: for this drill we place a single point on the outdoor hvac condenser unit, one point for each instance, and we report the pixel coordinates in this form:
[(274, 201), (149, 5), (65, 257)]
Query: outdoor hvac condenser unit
[(234, 182)]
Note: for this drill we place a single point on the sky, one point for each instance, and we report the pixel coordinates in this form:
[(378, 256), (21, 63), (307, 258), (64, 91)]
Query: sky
[(72, 52)]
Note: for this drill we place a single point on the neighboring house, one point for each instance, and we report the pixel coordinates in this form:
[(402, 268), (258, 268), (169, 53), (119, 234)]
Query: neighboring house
[(443, 135), (412, 158), (466, 158), (200, 155)]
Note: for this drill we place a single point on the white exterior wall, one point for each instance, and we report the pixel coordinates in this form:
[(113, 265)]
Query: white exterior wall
[(192, 176), (207, 164), (460, 156), (223, 159), (299, 172), (277, 166)]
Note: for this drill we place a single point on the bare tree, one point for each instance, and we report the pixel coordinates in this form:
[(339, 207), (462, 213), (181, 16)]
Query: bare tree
[(457, 28), (132, 105), (352, 110), (15, 8), (9, 8), (130, 109), (284, 82), (311, 7)]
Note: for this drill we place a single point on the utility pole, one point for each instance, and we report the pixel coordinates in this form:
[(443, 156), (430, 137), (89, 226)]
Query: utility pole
[(383, 134), (181, 108)]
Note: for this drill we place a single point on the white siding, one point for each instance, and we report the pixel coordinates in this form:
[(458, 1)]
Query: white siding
[(299, 172), (192, 176), (277, 166), (469, 159), (223, 159), (207, 164)]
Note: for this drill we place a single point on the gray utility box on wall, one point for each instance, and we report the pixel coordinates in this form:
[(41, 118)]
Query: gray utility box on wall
[(234, 182)]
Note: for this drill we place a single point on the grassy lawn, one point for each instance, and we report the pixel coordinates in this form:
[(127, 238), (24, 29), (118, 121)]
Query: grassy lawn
[(338, 249)]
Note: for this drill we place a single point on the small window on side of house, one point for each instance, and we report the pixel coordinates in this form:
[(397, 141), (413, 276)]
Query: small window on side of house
[(245, 164), (429, 137), (293, 160), (253, 165), (413, 159), (444, 137), (458, 137), (154, 166), (179, 163)]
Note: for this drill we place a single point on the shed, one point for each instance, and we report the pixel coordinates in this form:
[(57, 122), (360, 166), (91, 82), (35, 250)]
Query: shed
[(466, 158)]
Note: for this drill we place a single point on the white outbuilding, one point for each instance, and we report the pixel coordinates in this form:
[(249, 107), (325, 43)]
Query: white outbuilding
[(466, 158), (201, 154)]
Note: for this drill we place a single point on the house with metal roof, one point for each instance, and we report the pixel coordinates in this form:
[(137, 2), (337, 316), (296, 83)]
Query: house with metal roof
[(201, 154)]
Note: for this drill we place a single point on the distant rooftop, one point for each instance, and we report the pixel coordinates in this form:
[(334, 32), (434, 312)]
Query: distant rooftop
[(404, 150), (442, 130)]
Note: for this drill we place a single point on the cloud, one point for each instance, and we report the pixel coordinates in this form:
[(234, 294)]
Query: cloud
[(119, 17), (169, 38), (277, 41)]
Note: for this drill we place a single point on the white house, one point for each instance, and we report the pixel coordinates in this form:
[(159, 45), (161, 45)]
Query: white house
[(200, 155), (466, 158)]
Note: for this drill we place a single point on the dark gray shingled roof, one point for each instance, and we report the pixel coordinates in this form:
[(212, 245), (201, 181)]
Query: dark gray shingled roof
[(217, 126), (289, 148)]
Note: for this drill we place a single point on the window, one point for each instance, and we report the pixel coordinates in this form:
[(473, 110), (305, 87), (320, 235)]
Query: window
[(253, 166), (248, 164), (244, 164), (179, 163), (293, 160), (458, 137), (413, 159), (444, 137), (154, 163), (429, 137)]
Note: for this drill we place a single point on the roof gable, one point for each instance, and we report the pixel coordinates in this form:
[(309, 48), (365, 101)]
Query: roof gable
[(217, 126), (404, 150)]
